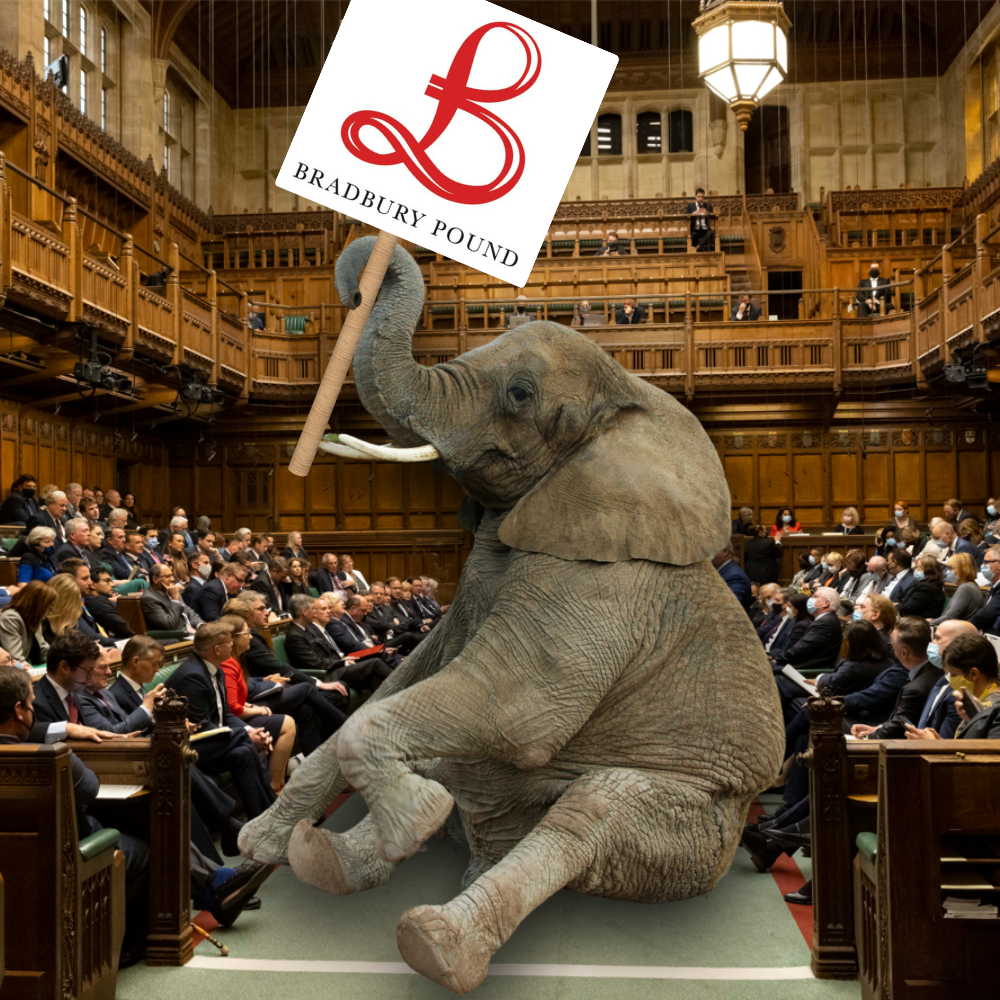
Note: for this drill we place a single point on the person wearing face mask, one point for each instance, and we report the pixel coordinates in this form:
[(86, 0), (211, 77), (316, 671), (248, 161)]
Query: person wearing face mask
[(971, 531), (987, 618), (926, 597), (520, 315), (960, 570), (36, 563), (849, 523), (611, 247), (992, 526), (784, 521), (873, 293), (899, 566), (21, 504), (772, 606), (886, 541), (791, 624), (901, 517), (820, 646)]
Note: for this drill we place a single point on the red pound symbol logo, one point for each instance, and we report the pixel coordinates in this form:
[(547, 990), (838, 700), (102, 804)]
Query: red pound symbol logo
[(453, 93)]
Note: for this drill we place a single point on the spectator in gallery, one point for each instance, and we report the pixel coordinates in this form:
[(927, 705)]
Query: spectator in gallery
[(761, 556), (874, 294), (21, 504), (701, 229), (610, 247), (630, 314), (520, 314), (901, 516), (784, 521), (582, 315), (743, 525), (294, 550), (849, 523), (926, 596), (960, 570), (744, 310), (255, 320)]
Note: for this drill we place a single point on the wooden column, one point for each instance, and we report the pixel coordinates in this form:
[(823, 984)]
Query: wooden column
[(5, 223), (176, 296), (128, 269), (211, 293), (834, 955), (169, 940), (689, 348), (980, 269), (71, 237), (947, 270), (838, 344)]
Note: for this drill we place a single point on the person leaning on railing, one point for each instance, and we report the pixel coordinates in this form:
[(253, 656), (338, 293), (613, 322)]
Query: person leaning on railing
[(872, 291)]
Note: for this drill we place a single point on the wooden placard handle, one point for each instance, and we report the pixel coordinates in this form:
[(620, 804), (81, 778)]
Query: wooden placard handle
[(343, 354)]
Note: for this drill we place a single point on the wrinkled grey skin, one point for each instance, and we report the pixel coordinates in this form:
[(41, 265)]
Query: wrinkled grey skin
[(595, 705)]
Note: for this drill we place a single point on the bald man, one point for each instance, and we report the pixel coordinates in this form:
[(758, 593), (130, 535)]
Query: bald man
[(939, 711)]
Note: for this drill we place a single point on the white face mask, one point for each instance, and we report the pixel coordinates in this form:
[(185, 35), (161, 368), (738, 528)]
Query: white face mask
[(205, 570)]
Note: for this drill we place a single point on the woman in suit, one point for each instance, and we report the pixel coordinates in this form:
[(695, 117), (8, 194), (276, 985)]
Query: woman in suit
[(761, 556), (968, 598), (294, 550), (36, 563), (21, 622), (926, 597), (849, 523), (866, 659), (887, 542), (797, 609), (128, 502), (784, 521), (297, 581)]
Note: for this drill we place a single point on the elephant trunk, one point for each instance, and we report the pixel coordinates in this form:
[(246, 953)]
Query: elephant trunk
[(394, 389)]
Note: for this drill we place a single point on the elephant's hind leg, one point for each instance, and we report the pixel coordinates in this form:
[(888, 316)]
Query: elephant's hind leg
[(338, 863), (612, 833)]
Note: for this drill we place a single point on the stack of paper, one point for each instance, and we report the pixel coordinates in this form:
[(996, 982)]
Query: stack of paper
[(968, 909)]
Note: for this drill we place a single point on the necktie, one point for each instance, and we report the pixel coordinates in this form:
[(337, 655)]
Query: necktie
[(93, 621), (72, 709), (111, 705)]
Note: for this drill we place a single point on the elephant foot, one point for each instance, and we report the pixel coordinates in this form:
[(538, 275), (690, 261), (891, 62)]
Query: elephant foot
[(412, 810), (437, 945), (338, 863)]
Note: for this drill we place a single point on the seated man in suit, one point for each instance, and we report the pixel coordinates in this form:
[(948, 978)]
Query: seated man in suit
[(113, 554), (310, 647), (325, 579), (629, 314), (51, 516), (910, 639), (269, 583), (947, 543), (77, 544), (872, 292), (205, 543), (201, 680), (702, 237), (213, 595), (736, 580), (611, 247), (162, 606), (744, 310), (355, 633), (819, 647), (429, 609), (898, 564), (987, 618), (199, 573), (520, 315), (135, 555), (405, 628), (99, 599), (20, 505)]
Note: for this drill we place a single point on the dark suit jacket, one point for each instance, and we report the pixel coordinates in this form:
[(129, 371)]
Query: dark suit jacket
[(208, 602), (127, 698), (43, 519), (738, 582), (109, 716), (789, 636), (880, 292), (48, 704), (751, 312), (307, 650), (901, 591), (70, 551), (323, 581), (692, 207), (874, 703), (344, 633), (939, 708), (163, 614), (761, 557), (638, 316), (18, 509), (910, 702), (853, 675), (261, 662), (193, 680), (925, 600), (819, 647), (104, 612), (120, 567), (191, 591), (986, 618), (984, 726), (263, 584)]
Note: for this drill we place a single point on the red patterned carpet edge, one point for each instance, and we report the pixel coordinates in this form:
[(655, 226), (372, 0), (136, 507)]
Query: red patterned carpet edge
[(788, 878), (207, 922)]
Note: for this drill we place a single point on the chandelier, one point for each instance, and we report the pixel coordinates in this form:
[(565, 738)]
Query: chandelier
[(742, 51)]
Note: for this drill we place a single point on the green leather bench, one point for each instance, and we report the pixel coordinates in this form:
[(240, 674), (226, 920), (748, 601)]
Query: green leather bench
[(295, 324)]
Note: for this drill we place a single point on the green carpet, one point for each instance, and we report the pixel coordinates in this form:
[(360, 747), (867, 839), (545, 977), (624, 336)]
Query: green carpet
[(742, 923)]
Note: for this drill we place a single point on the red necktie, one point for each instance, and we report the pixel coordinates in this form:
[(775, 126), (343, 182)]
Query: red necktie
[(72, 708)]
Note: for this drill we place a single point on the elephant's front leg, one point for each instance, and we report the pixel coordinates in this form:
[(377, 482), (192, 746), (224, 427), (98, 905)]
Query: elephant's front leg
[(500, 698)]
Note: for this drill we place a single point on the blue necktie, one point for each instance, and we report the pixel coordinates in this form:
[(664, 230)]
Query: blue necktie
[(931, 701)]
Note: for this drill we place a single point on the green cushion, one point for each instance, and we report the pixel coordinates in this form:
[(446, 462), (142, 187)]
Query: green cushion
[(162, 676), (656, 304), (130, 587), (712, 303), (9, 543), (675, 241), (731, 238), (814, 204), (442, 310), (295, 324), (502, 307), (646, 241), (563, 244), (591, 244), (314, 592), (474, 310), (868, 847), (278, 641), (424, 250), (97, 843), (560, 307), (854, 234), (677, 303)]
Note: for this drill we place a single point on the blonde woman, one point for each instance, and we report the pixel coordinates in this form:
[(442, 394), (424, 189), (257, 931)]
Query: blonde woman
[(850, 523), (968, 598), (37, 562), (66, 609)]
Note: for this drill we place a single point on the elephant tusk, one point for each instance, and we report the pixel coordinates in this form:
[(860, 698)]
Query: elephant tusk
[(351, 447)]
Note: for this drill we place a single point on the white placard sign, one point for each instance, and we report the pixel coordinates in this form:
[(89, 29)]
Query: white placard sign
[(454, 124)]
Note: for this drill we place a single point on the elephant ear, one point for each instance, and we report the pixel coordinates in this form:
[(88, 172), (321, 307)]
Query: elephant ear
[(647, 486)]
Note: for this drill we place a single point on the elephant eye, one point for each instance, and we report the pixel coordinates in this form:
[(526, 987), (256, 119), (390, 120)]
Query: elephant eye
[(519, 393)]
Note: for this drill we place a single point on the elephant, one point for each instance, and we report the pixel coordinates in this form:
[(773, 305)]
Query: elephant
[(595, 710)]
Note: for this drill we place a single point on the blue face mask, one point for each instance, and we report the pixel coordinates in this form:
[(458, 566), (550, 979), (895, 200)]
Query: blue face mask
[(890, 542), (152, 542), (918, 574), (987, 572), (787, 518), (49, 549), (811, 605), (898, 512), (950, 576), (826, 567), (812, 560), (857, 616), (991, 510), (934, 653)]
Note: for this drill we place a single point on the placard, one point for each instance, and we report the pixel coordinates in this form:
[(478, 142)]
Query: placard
[(454, 124)]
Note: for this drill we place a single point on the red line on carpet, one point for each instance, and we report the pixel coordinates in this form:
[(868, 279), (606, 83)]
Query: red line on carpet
[(207, 922), (788, 877)]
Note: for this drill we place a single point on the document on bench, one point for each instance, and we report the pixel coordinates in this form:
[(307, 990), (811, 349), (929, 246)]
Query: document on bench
[(119, 791), (793, 675), (205, 733)]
